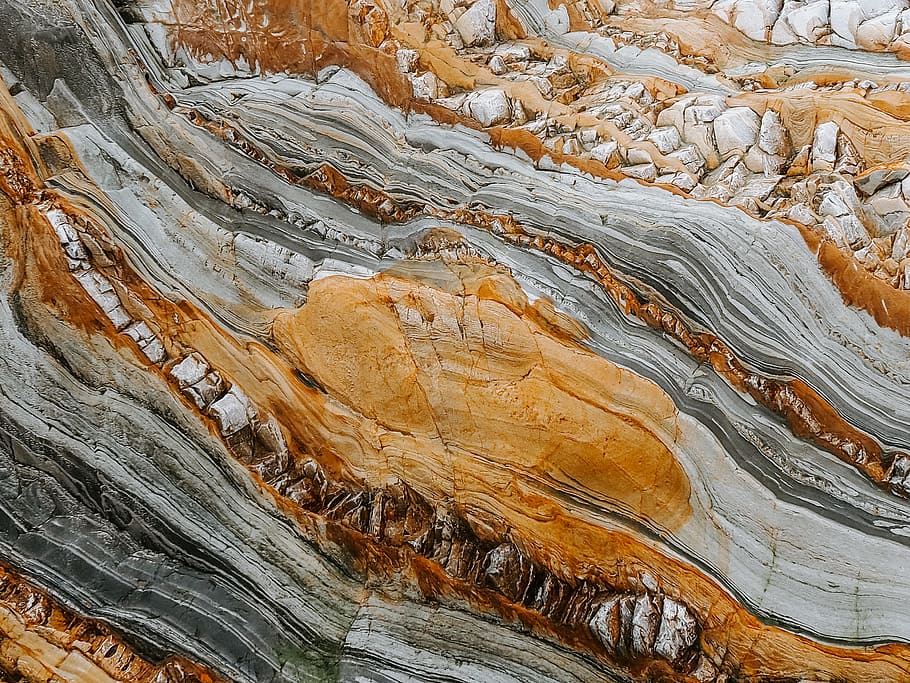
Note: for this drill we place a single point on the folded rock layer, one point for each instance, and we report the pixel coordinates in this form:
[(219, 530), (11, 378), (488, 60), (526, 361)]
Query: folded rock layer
[(482, 340)]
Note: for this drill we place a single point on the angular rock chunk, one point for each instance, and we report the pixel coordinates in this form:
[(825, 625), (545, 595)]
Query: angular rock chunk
[(735, 130), (678, 631), (824, 146), (477, 26), (190, 370), (231, 411), (489, 107)]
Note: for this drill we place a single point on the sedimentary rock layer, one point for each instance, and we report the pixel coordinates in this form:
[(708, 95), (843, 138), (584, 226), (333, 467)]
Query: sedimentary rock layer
[(453, 341)]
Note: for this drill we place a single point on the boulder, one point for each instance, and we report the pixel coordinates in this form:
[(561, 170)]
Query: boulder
[(888, 199), (647, 172), (489, 107), (231, 411), (756, 17), (407, 60), (477, 26), (190, 370), (645, 624), (425, 87), (678, 631), (736, 130), (673, 115), (869, 182), (665, 138), (636, 156), (810, 21), (824, 146), (690, 158), (605, 152), (845, 17), (772, 136), (878, 32)]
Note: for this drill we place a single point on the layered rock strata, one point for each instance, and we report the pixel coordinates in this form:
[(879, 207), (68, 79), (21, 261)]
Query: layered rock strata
[(451, 341)]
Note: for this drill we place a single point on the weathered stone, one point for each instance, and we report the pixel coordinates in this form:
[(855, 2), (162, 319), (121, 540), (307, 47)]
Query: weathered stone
[(477, 26)]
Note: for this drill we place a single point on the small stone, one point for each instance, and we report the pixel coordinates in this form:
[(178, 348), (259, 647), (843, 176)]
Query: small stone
[(498, 65), (645, 624), (735, 130), (869, 182), (206, 390), (489, 107), (407, 60), (425, 87)]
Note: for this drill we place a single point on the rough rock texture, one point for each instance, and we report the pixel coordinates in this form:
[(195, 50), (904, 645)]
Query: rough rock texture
[(445, 340)]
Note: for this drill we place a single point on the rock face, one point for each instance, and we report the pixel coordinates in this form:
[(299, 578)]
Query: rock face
[(454, 341)]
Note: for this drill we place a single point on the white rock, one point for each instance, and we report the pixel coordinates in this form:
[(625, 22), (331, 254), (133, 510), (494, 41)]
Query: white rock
[(824, 146), (425, 87), (772, 136), (636, 156), (605, 624), (832, 205), (489, 107), (705, 108), (755, 159), (809, 21), (900, 249), (477, 26), (874, 8), (139, 332), (206, 390), (690, 158), (673, 115), (845, 17), (887, 200), (154, 350), (571, 146), (641, 171), (556, 22), (781, 33), (665, 138), (190, 370), (683, 181), (678, 631), (878, 32), (118, 316), (873, 180), (755, 17), (498, 65), (735, 130), (645, 625), (407, 60), (801, 213), (759, 187), (99, 289), (846, 230), (605, 152), (513, 53), (231, 411), (65, 231), (722, 8)]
